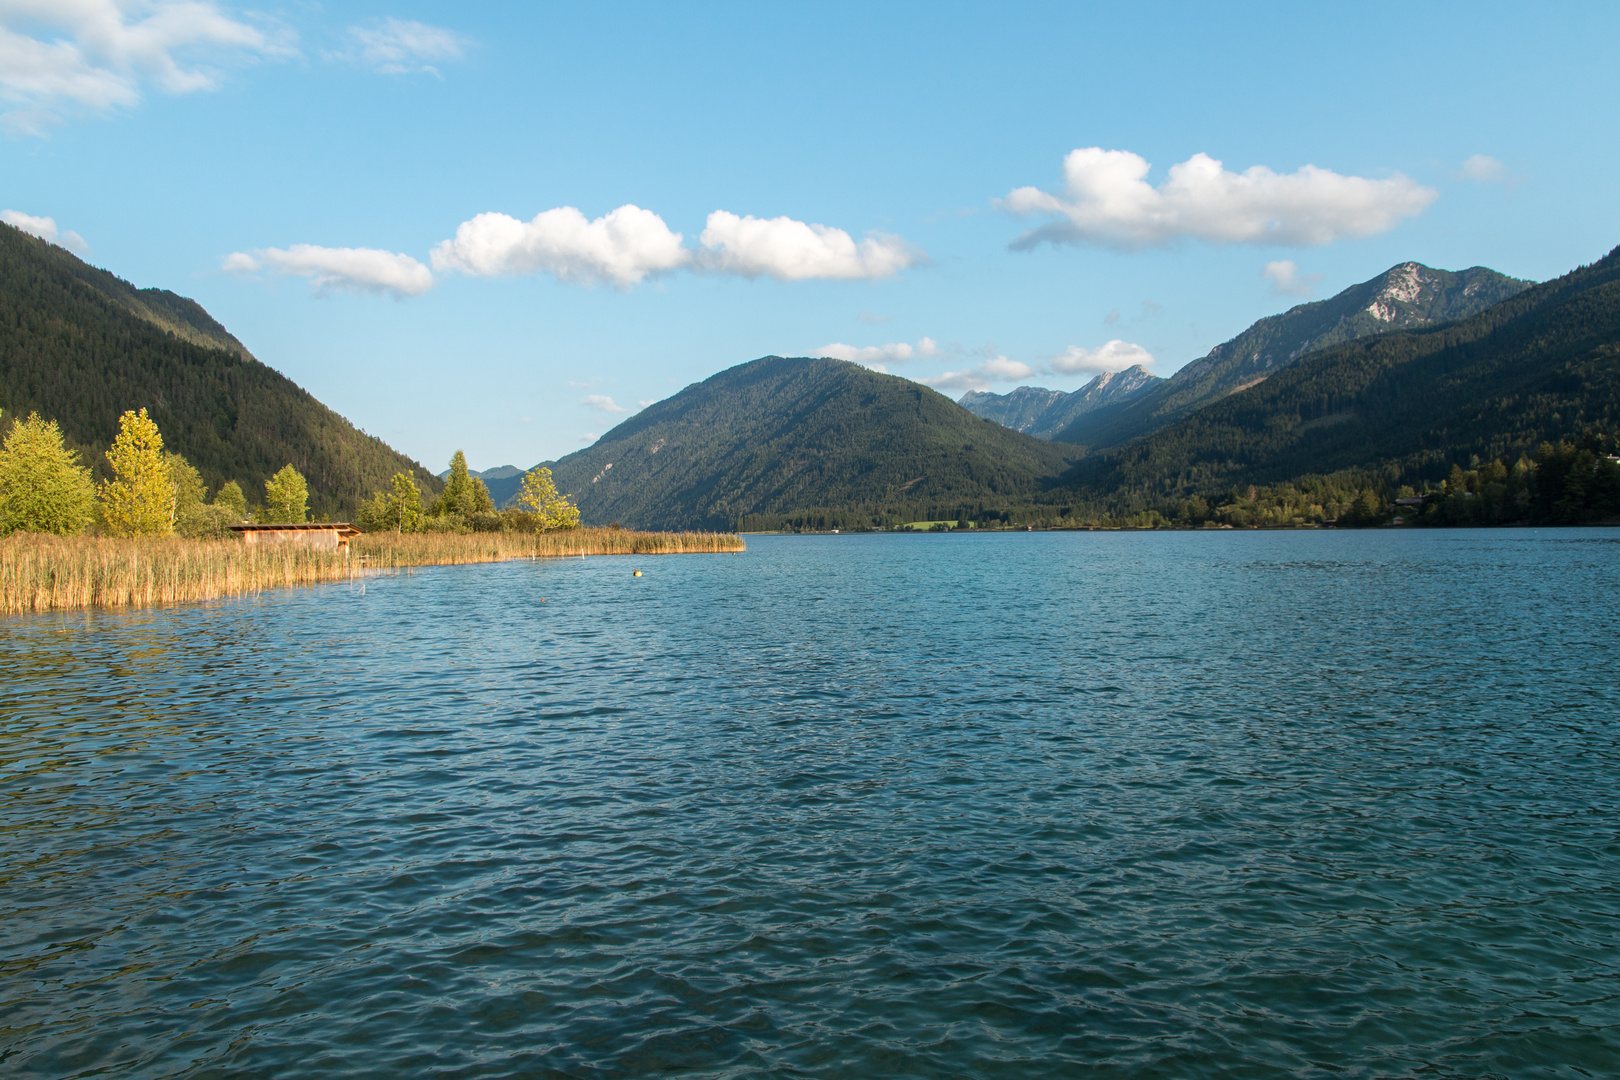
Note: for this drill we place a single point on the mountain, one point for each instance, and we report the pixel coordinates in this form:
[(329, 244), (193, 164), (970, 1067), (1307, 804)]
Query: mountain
[(80, 346), (502, 482), (1407, 296), (1540, 366), (782, 436), (500, 472), (1043, 413)]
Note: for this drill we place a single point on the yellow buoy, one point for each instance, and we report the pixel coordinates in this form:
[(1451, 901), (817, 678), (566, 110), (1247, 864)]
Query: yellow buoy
[(638, 573)]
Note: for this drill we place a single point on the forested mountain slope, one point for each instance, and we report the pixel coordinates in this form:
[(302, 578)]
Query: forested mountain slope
[(1406, 296), (80, 346), (1044, 413), (1540, 366), (780, 435)]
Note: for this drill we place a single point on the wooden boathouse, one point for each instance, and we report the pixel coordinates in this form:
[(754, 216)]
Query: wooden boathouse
[(326, 535)]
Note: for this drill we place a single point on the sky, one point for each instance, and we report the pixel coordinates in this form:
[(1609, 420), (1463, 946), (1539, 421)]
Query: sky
[(507, 227)]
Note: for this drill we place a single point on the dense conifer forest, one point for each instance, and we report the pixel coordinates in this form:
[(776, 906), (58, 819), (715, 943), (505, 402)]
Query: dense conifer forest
[(1338, 436), (1403, 408), (778, 435), (81, 346)]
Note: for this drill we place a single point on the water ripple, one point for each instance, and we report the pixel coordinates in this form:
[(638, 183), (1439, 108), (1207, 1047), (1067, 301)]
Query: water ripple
[(1180, 805)]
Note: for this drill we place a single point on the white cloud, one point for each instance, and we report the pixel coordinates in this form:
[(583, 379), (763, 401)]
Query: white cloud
[(98, 54), (45, 228), (630, 244), (1107, 200), (871, 319), (1484, 169), (1115, 355), (1286, 280), (589, 437), (870, 355), (350, 269), (602, 403), (622, 247), (790, 250), (979, 377), (402, 46), (877, 357), (1002, 368)]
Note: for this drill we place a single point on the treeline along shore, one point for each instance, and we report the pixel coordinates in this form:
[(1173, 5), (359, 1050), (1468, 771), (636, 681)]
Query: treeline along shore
[(41, 572), (150, 535)]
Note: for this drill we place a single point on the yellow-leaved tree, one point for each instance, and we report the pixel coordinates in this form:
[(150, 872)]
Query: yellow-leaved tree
[(43, 488), (139, 499), (540, 497)]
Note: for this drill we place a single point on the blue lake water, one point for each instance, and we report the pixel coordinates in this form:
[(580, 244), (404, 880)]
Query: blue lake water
[(1018, 805)]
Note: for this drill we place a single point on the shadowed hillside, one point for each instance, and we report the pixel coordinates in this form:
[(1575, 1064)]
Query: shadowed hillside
[(1539, 367), (80, 346), (1407, 296), (780, 435)]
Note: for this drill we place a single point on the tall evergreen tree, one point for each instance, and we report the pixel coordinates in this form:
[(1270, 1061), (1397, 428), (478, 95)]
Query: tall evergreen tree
[(463, 492)]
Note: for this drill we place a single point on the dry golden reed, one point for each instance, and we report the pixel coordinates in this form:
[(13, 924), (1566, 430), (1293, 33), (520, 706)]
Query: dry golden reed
[(53, 573), (386, 550)]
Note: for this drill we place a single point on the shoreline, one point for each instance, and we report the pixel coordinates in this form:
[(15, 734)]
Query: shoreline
[(42, 573)]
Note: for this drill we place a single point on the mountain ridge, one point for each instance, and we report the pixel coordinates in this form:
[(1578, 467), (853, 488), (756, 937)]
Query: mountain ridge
[(1540, 366), (1040, 412), (1405, 296), (781, 435), (80, 346)]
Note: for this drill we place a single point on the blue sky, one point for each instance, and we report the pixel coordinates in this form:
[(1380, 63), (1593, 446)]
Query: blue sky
[(456, 224)]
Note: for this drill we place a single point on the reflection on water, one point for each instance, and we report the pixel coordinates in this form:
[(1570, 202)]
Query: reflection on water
[(995, 806)]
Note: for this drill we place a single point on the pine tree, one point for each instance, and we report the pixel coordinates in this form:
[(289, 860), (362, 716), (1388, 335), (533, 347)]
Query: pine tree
[(139, 500), (43, 488), (463, 493)]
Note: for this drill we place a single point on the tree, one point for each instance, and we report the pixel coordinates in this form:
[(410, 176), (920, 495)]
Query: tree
[(43, 488), (192, 514), (230, 499), (286, 497), (398, 509), (463, 493), (540, 498), (139, 500)]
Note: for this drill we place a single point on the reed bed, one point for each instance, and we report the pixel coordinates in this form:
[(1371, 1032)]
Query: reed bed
[(55, 573), (388, 550)]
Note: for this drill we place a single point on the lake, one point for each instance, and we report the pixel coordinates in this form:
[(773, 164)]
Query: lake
[(1006, 805)]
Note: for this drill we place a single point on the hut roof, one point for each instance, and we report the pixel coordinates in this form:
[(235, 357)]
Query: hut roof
[(342, 528)]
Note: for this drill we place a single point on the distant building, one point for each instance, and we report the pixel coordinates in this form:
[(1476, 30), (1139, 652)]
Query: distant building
[(327, 535)]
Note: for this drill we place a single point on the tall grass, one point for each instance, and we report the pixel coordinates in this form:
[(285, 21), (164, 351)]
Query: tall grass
[(52, 573), (386, 550)]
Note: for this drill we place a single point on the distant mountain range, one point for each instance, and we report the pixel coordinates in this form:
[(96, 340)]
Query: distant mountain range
[(80, 346), (1540, 366), (1044, 413), (1398, 379), (1116, 408), (503, 482), (784, 441)]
